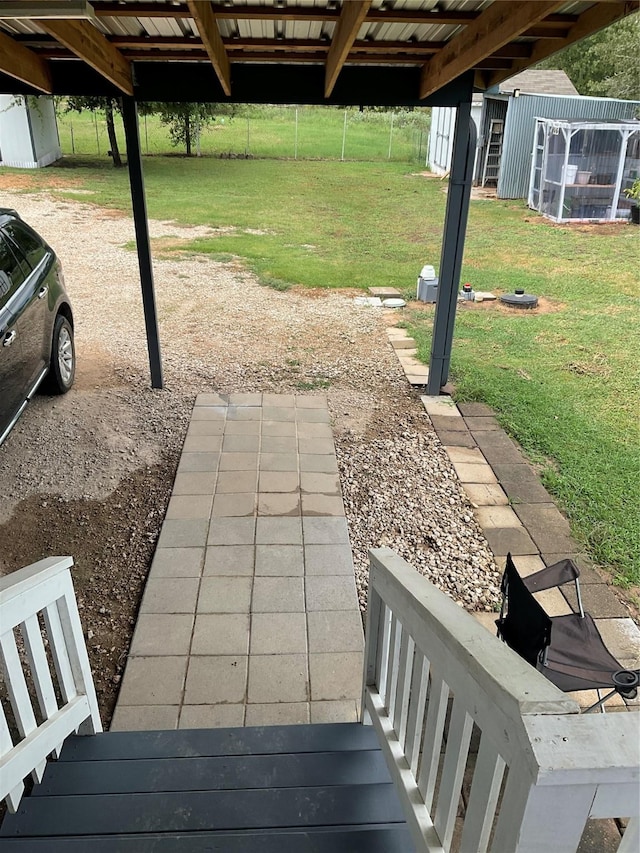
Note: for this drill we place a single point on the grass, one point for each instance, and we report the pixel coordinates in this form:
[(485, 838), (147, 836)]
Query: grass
[(563, 380)]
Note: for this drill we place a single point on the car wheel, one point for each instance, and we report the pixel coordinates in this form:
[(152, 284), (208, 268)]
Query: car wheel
[(62, 368)]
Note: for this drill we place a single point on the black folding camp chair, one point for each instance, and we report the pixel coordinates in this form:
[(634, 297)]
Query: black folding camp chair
[(568, 650)]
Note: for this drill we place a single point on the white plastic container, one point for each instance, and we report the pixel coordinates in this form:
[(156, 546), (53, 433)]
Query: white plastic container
[(572, 171)]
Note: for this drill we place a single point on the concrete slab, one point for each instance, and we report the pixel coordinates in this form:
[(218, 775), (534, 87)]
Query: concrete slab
[(497, 516), (474, 473), (473, 410), (485, 494), (482, 424), (516, 540), (456, 438), (439, 406), (468, 455), (235, 601)]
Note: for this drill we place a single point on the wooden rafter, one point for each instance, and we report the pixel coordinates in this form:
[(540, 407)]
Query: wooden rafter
[(494, 28), (207, 25), (352, 15), (594, 19), (83, 39), (23, 64)]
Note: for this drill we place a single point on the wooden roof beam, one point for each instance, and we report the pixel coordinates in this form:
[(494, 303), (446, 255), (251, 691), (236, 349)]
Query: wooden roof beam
[(493, 29), (83, 39), (352, 15), (594, 19), (202, 14), (23, 64)]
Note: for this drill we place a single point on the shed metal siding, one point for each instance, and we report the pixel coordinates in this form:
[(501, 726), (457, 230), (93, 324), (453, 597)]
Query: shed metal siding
[(520, 127)]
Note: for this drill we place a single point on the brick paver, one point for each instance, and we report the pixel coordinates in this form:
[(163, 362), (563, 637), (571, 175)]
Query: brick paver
[(250, 614)]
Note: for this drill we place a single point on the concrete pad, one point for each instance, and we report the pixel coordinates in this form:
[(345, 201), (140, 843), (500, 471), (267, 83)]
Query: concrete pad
[(456, 438), (485, 494), (319, 483), (330, 505), (279, 504), (224, 595), (527, 564), (183, 533), (153, 681), (335, 675), (448, 422), (211, 399), (245, 398), (211, 716), (278, 481), (278, 428), (335, 631), (279, 444), (318, 463), (279, 561), (325, 531), (328, 560), (278, 531), (229, 560), (385, 292), (232, 531), (497, 516), (170, 595), (277, 714), (516, 540), (480, 410), (278, 678), (417, 379), (194, 484), (482, 424), (205, 428), (278, 400), (402, 343), (241, 444), (221, 634), (312, 416), (216, 679), (279, 462), (278, 633), (189, 506), (311, 401), (314, 430), (235, 482), (474, 473), (330, 592), (244, 413), (322, 446), (440, 406), (553, 602), (198, 462), (500, 453), (521, 483), (162, 634), (242, 428), (468, 455), (279, 413), (334, 711), (234, 505), (209, 413), (238, 461), (597, 599), (203, 443), (177, 563), (138, 718), (278, 595)]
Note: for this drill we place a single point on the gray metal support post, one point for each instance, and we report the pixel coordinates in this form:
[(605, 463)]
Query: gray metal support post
[(136, 181), (455, 226)]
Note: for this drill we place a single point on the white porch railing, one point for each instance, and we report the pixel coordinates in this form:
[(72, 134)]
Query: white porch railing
[(534, 772), (48, 681)]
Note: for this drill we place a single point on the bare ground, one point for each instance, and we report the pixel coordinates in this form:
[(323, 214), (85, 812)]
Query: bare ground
[(90, 474)]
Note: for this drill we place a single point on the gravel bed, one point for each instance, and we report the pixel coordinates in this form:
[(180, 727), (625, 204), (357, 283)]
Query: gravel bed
[(98, 446)]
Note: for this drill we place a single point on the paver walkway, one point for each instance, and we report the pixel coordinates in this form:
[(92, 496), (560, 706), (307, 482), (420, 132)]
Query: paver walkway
[(250, 614)]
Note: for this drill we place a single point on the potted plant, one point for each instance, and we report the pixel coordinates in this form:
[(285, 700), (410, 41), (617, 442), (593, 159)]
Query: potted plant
[(633, 193)]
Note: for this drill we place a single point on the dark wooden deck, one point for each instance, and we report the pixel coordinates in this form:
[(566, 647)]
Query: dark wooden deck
[(304, 789)]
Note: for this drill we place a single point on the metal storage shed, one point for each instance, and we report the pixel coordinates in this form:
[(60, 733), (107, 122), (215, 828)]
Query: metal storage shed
[(28, 132)]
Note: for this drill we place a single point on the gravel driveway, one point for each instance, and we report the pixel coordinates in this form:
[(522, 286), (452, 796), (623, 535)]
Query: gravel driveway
[(89, 474)]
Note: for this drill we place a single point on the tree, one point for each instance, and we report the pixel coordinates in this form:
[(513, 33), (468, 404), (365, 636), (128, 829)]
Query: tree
[(185, 120), (106, 105), (605, 64)]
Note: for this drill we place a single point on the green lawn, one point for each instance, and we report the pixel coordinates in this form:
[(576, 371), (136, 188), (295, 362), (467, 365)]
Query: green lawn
[(564, 381)]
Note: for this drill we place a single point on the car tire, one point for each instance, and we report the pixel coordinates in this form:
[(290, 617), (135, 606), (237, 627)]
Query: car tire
[(62, 368)]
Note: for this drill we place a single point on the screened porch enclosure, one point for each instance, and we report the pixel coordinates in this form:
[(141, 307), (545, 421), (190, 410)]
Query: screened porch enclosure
[(580, 170)]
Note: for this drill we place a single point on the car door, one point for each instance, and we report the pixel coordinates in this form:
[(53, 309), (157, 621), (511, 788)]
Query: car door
[(31, 307), (12, 390)]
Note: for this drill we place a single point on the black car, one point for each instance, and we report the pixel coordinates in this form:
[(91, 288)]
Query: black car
[(36, 322)]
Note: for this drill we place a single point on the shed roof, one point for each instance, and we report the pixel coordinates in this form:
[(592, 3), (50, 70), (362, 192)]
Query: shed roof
[(537, 82), (398, 51)]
